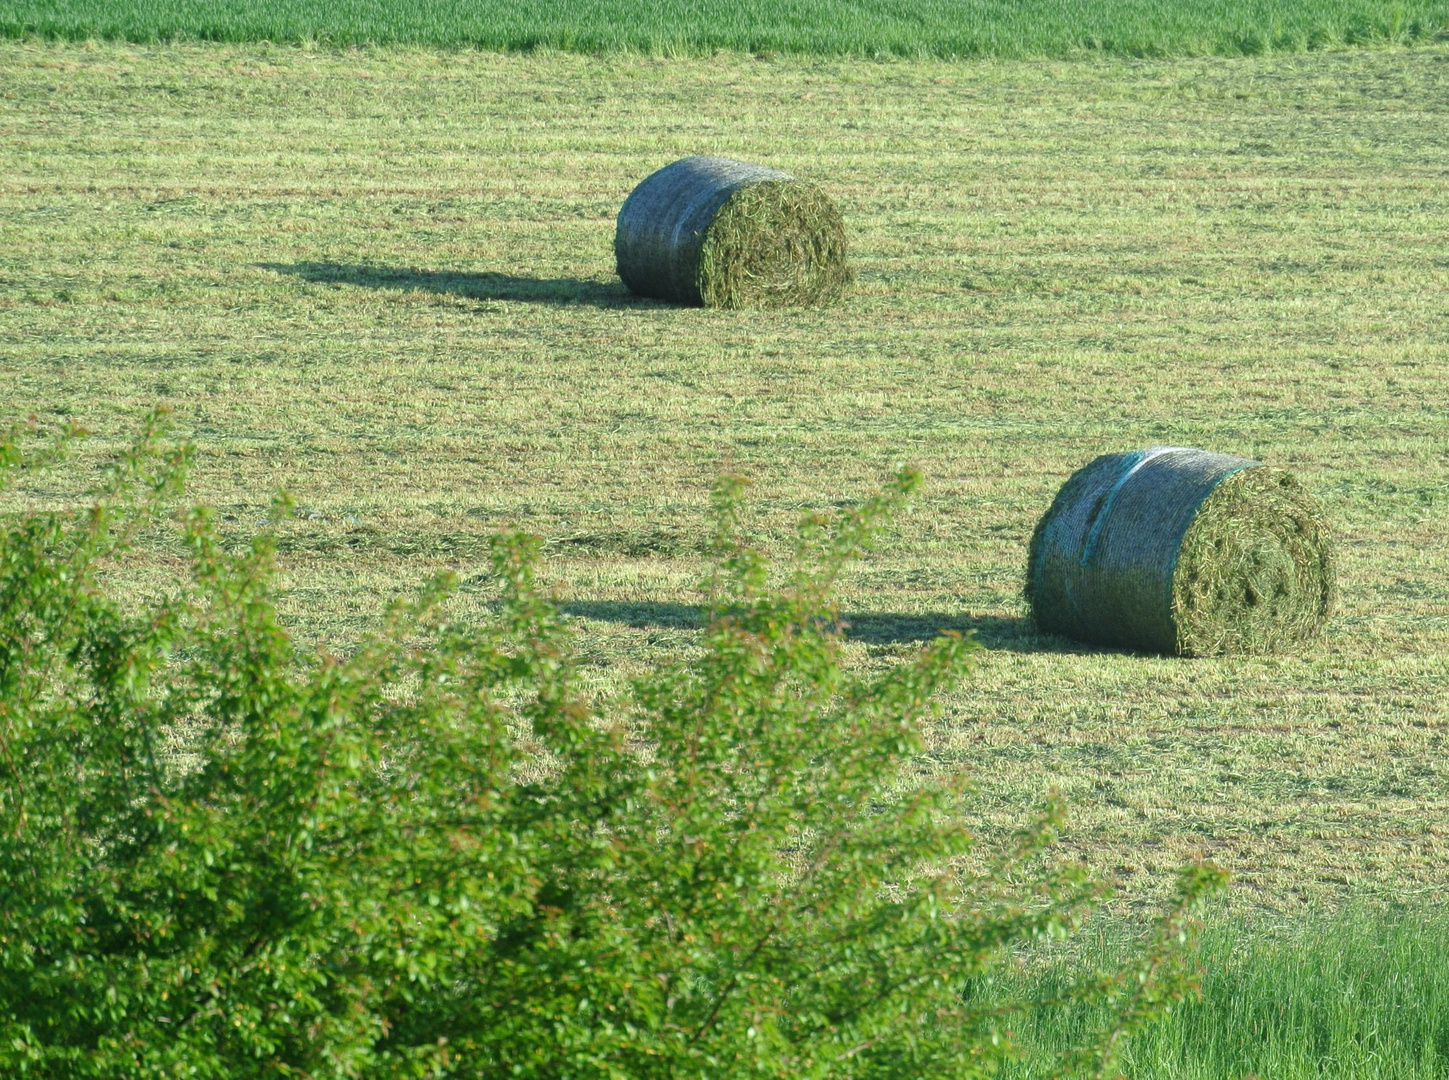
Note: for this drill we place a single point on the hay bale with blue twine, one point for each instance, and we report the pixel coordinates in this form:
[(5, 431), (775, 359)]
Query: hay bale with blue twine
[(717, 232), (1183, 552)]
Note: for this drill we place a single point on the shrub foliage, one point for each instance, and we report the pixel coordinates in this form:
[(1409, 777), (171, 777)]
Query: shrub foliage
[(436, 857)]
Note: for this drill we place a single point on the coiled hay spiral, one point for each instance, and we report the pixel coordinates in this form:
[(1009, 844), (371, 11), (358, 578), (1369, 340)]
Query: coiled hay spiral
[(724, 233), (1184, 552)]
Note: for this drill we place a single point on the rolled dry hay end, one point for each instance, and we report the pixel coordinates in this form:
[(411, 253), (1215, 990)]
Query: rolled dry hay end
[(723, 233), (1183, 552)]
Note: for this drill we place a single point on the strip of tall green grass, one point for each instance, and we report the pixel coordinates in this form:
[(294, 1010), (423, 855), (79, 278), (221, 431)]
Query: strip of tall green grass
[(1340, 997), (941, 28)]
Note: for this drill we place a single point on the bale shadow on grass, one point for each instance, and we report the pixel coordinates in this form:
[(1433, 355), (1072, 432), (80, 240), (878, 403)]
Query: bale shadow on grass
[(485, 286), (1004, 633)]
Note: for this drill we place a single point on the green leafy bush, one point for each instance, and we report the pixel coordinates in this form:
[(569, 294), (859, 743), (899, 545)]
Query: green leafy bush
[(436, 858)]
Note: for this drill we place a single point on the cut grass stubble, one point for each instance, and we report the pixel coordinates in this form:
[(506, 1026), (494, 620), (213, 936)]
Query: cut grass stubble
[(384, 281)]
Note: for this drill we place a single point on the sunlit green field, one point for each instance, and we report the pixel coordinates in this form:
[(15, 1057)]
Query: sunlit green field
[(916, 28), (384, 282)]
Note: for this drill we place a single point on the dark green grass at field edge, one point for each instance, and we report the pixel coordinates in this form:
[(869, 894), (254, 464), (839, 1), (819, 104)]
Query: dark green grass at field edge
[(1353, 994), (937, 28)]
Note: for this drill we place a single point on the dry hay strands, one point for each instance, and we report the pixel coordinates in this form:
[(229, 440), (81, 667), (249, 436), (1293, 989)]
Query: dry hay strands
[(1183, 552), (723, 233)]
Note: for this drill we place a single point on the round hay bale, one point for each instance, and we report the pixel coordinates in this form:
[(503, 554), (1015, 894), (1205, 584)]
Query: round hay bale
[(1183, 552), (723, 233)]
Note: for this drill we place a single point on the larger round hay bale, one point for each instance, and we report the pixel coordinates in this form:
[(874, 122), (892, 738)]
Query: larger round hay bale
[(1183, 552), (723, 233)]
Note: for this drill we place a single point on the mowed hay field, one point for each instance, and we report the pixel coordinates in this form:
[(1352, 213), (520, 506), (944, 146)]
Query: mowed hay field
[(384, 281)]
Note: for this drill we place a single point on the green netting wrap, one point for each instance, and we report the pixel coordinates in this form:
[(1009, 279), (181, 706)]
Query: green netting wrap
[(1183, 552), (723, 233)]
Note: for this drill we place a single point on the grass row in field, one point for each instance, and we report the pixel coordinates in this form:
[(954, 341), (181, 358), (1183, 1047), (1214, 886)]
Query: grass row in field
[(937, 28), (1361, 995)]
